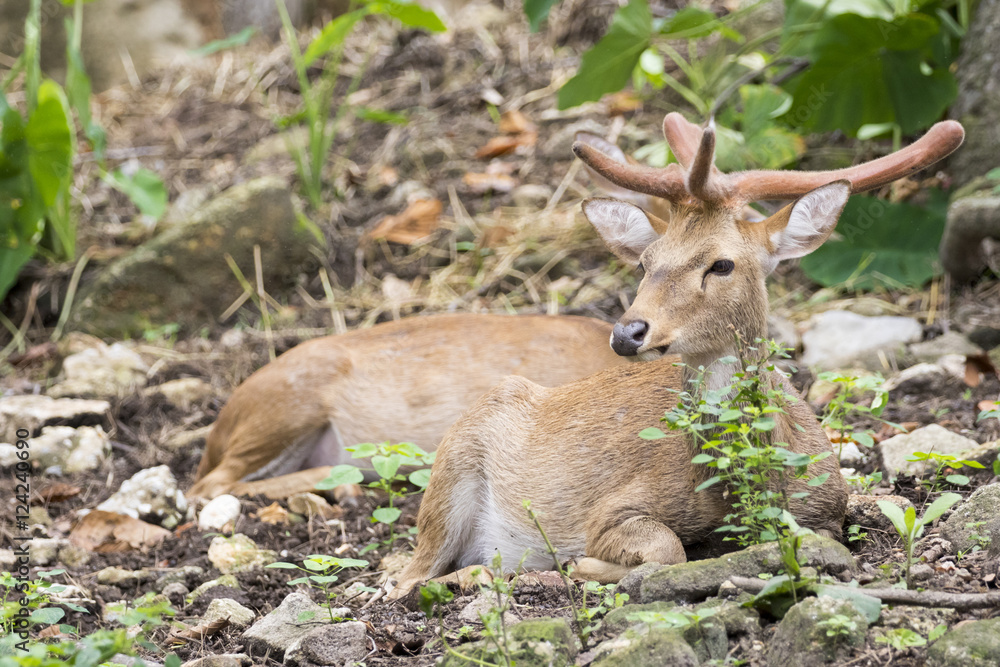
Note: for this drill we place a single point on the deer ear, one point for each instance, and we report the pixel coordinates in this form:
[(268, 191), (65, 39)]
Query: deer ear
[(606, 186), (805, 224), (625, 228)]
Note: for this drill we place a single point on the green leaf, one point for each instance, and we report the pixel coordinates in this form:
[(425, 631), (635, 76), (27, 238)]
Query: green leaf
[(819, 479), (708, 482), (410, 14), (703, 458), (12, 260), (333, 34), (282, 566), (652, 433), (939, 507), (47, 615), (239, 39), (894, 243), (339, 475), (870, 607), (537, 11), (607, 66), (50, 141), (868, 70), (957, 480), (386, 466), (386, 514), (936, 633), (144, 188), (692, 23), (420, 478), (363, 450), (730, 415), (381, 116), (894, 514)]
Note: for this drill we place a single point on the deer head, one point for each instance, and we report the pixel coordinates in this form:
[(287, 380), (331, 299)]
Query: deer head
[(704, 262)]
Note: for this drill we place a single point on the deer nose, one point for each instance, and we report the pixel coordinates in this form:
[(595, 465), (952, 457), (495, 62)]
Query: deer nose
[(626, 339)]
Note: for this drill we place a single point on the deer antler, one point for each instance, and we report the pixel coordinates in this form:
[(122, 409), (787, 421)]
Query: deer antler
[(667, 183), (682, 136)]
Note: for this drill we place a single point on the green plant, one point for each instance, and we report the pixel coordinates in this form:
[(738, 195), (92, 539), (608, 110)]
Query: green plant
[(838, 626), (27, 604), (606, 598), (910, 528), (317, 96), (901, 639), (386, 460), (732, 427), (839, 411), (942, 464), (322, 572), (856, 534), (865, 483)]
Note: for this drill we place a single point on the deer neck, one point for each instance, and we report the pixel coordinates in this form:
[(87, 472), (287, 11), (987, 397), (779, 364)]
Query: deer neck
[(719, 368)]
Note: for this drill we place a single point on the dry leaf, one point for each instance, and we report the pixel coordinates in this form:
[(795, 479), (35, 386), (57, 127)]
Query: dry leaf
[(52, 632), (977, 365), (623, 103), (495, 235), (504, 145), (418, 221), (57, 492), (987, 405), (274, 514), (515, 122), (483, 183), (199, 632), (107, 532), (34, 353)]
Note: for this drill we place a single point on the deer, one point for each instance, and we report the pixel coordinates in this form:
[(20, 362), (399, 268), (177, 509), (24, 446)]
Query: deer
[(608, 500), (290, 422)]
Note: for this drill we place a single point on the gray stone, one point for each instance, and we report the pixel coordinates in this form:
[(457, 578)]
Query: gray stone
[(617, 620), (227, 580), (631, 583), (116, 576), (178, 575), (65, 448), (538, 642), (838, 339), (339, 644), (183, 392), (973, 217), (696, 580), (230, 610), (294, 618), (238, 553), (222, 660), (865, 512), (180, 275), (932, 438), (33, 412), (646, 646), (152, 496), (975, 644), (73, 556), (950, 342), (803, 636), (924, 378), (737, 619), (972, 517), (107, 371), (220, 512), (482, 604), (175, 592)]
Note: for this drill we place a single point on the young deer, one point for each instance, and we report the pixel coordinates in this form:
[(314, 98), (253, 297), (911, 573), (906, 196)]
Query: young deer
[(604, 496), (284, 428)]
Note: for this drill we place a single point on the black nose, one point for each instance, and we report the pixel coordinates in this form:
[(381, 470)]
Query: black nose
[(626, 339)]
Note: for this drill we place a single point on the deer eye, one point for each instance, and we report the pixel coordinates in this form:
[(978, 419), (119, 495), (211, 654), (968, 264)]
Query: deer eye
[(723, 267)]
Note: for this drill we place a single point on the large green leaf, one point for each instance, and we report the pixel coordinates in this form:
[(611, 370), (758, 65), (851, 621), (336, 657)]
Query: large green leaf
[(606, 67), (537, 11), (881, 243), (50, 143), (867, 70), (410, 14), (800, 14), (12, 260), (144, 188), (761, 142)]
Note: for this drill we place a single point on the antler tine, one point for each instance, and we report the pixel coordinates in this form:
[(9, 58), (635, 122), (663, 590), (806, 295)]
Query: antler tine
[(941, 140), (703, 180), (682, 136), (667, 183)]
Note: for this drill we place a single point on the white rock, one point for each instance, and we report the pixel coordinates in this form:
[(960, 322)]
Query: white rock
[(482, 604), (219, 512), (933, 438), (33, 412), (337, 644), (279, 629), (183, 392), (950, 342), (44, 551), (228, 609), (64, 447), (237, 554), (151, 495), (849, 453), (837, 338), (101, 372)]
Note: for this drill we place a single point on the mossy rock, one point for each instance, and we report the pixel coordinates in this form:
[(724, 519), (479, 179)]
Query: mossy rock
[(645, 646), (804, 638), (975, 644), (540, 642), (617, 620)]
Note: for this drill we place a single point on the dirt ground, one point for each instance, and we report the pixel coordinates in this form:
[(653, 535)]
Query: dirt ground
[(198, 126)]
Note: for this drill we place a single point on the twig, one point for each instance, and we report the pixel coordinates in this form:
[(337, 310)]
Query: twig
[(959, 601), (67, 306)]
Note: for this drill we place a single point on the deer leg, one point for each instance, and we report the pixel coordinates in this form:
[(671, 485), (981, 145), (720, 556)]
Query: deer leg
[(617, 550)]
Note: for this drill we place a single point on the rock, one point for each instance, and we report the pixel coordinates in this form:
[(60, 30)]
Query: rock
[(737, 619), (932, 438), (531, 196), (279, 629), (7, 560), (73, 556), (837, 339), (228, 609), (337, 644), (226, 580), (107, 371), (865, 512), (782, 331), (697, 580), (220, 512), (179, 575), (918, 619), (482, 604), (924, 379), (64, 448), (921, 572), (116, 576), (176, 592), (617, 620), (183, 392), (538, 642), (178, 276), (803, 636), (31, 413), (646, 646), (312, 505), (238, 554), (39, 516), (975, 644), (222, 660), (44, 551), (971, 518), (152, 496), (950, 342), (973, 217), (185, 439), (631, 583), (849, 453)]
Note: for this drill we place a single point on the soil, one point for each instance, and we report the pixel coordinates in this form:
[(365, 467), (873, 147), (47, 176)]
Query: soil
[(196, 125)]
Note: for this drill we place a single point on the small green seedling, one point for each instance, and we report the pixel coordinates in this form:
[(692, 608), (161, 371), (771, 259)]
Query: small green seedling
[(910, 528), (942, 463), (840, 411), (321, 573), (901, 639), (838, 626), (865, 483)]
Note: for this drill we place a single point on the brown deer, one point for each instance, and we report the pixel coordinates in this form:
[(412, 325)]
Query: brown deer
[(284, 428), (604, 496)]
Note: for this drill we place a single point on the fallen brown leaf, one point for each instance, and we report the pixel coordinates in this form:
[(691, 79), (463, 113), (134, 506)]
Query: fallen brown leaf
[(504, 145), (622, 103), (57, 492), (515, 122), (52, 632), (988, 405), (483, 183), (418, 221), (34, 353), (977, 365), (107, 532), (199, 632), (273, 514)]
